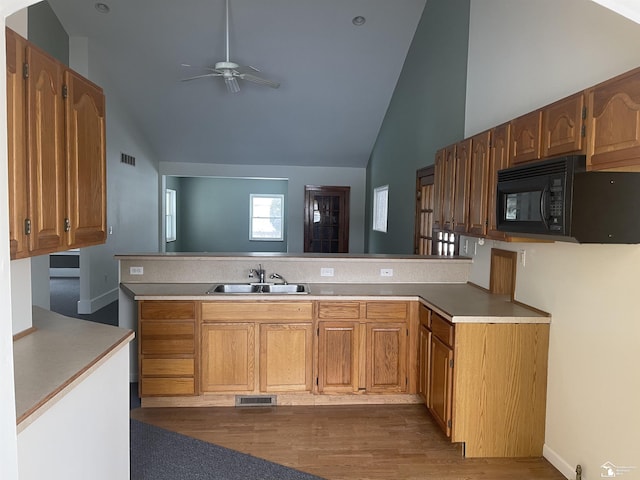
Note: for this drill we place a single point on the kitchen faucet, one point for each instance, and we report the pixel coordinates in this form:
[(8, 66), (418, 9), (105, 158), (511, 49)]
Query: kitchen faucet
[(260, 272), (280, 277)]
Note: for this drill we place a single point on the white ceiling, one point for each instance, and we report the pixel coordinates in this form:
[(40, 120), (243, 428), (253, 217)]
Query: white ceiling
[(336, 78)]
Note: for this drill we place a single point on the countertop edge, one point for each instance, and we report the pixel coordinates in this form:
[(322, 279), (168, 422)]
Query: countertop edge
[(26, 415)]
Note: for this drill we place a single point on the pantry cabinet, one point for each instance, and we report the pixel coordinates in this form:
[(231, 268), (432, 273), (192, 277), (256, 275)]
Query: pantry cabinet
[(57, 154)]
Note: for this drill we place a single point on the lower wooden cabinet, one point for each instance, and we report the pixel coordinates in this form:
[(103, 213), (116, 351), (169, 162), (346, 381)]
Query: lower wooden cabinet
[(286, 357), (167, 348), (228, 357), (363, 347), (256, 347), (486, 384), (424, 354)]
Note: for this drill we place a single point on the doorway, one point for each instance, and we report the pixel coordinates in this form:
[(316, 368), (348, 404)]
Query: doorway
[(326, 219)]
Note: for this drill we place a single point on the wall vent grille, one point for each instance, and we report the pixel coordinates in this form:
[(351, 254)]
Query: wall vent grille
[(256, 400), (128, 159)]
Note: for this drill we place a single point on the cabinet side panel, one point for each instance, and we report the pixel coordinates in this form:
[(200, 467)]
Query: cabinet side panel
[(500, 389)]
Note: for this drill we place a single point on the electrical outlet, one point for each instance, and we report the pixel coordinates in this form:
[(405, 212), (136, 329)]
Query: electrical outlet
[(523, 257), (136, 270), (326, 272), (386, 272)]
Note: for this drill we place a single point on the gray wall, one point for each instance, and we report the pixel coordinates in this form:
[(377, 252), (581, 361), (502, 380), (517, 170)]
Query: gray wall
[(426, 112), (46, 31), (213, 214)]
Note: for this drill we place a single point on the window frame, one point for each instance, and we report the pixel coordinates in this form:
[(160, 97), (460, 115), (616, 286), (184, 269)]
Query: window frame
[(277, 196), (170, 215)]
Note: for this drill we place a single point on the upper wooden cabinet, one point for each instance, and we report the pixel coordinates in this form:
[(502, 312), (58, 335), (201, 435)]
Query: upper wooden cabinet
[(448, 186), (86, 162), (438, 190), (613, 123), (57, 154), (498, 160), (525, 138), (17, 144), (562, 126), (479, 183), (461, 186)]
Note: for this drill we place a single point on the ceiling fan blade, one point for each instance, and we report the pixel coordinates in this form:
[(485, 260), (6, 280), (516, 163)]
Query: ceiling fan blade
[(258, 80), (201, 67), (214, 74)]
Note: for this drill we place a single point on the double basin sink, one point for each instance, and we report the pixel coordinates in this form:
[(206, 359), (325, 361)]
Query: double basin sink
[(272, 288)]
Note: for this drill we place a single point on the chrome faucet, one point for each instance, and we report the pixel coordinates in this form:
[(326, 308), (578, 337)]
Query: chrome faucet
[(260, 272), (279, 277)]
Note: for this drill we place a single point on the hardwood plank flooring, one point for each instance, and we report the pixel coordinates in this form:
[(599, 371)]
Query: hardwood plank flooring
[(364, 442)]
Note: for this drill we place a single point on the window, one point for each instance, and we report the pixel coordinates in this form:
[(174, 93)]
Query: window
[(267, 217), (170, 215), (380, 206)]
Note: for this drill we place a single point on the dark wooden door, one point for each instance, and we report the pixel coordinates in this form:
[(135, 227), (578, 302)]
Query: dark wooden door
[(326, 219)]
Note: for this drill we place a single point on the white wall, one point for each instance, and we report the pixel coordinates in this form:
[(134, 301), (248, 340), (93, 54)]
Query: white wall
[(297, 177), (97, 408), (523, 55), (132, 199)]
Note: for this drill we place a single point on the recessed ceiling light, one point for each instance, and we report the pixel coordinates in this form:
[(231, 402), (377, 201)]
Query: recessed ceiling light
[(359, 20), (102, 7)]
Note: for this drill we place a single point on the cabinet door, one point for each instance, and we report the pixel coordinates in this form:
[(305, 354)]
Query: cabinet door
[(424, 362), (479, 183), (614, 122), (448, 187), (461, 186), (228, 357), (86, 162), (498, 160), (286, 357), (562, 126), (386, 357), (525, 138), (438, 190), (46, 167), (441, 384), (17, 143), (338, 357)]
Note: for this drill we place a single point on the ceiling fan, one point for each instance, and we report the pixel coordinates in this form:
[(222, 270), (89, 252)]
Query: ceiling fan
[(231, 71)]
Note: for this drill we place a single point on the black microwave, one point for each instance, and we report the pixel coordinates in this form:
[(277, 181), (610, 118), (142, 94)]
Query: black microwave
[(559, 199)]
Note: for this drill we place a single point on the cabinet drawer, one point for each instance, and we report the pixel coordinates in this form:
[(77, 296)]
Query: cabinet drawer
[(442, 329), (167, 310), (166, 367), (387, 310), (342, 310), (150, 387), (167, 338), (254, 311)]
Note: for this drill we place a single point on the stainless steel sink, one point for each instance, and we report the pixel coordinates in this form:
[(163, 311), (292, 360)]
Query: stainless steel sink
[(271, 288)]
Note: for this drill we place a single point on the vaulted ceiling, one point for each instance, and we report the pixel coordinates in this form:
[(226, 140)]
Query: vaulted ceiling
[(336, 78)]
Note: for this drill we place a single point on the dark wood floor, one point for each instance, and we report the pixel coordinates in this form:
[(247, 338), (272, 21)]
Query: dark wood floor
[(344, 442)]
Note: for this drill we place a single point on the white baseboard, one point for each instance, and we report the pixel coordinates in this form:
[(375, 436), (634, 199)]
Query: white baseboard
[(557, 461), (95, 304)]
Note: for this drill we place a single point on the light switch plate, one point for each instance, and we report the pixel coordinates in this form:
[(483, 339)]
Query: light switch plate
[(326, 272)]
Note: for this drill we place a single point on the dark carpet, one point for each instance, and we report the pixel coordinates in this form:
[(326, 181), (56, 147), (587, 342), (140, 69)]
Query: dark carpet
[(158, 454)]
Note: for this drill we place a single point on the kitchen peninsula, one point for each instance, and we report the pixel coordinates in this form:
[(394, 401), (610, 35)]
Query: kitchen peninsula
[(371, 329)]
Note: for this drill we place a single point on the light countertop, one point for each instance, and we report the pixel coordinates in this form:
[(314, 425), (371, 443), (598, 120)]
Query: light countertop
[(60, 353), (459, 302)]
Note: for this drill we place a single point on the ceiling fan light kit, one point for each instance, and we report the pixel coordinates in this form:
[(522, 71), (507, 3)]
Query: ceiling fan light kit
[(231, 71)]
